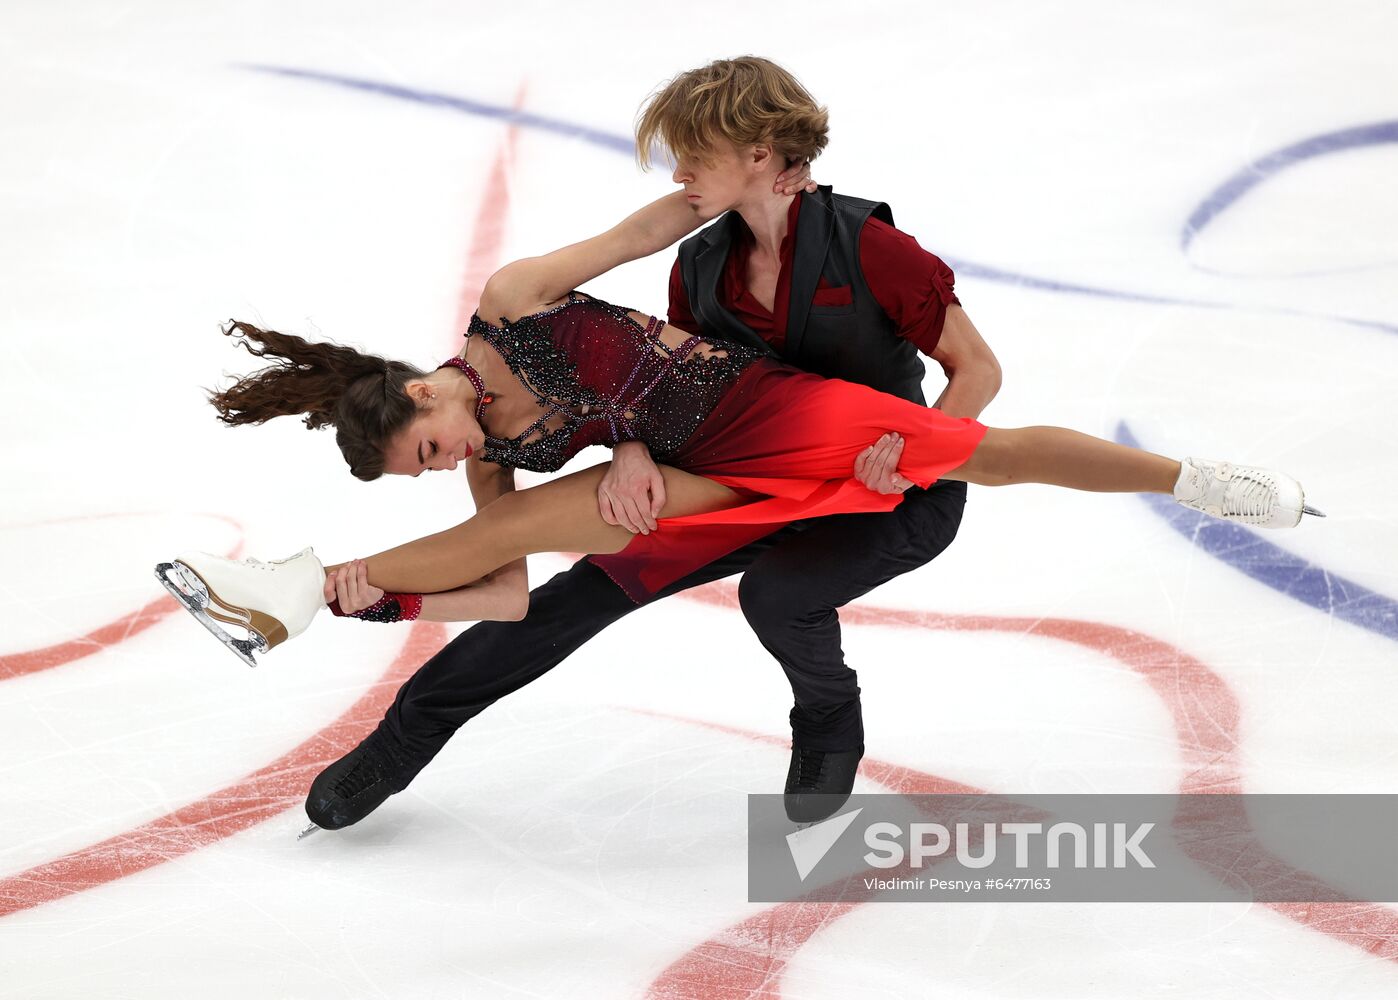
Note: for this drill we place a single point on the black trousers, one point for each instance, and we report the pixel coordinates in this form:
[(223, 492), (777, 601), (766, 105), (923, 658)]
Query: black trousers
[(794, 582)]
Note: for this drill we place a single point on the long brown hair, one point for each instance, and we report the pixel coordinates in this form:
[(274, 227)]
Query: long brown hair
[(361, 395)]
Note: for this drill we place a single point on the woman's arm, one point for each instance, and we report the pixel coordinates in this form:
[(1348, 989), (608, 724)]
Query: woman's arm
[(500, 595), (523, 286), (526, 285)]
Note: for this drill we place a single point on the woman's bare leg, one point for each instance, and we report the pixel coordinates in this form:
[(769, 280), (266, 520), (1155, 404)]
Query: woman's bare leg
[(558, 516), (1060, 457)]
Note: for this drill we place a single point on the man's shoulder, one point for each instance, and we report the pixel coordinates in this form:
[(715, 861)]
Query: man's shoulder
[(853, 205)]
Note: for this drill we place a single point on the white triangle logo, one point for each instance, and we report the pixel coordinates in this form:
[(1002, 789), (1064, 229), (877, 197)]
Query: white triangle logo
[(809, 845)]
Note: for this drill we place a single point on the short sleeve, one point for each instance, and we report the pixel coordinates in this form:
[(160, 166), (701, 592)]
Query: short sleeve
[(912, 286), (680, 314)]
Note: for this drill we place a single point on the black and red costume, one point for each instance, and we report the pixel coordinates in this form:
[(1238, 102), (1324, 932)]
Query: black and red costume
[(856, 300)]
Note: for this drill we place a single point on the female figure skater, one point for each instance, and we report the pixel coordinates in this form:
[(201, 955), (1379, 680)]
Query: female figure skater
[(746, 443)]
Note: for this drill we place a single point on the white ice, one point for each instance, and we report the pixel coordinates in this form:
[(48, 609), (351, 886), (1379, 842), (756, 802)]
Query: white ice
[(579, 837)]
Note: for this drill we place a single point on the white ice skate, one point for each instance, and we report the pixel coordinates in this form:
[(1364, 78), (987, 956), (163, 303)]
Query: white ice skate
[(274, 601), (1242, 493)]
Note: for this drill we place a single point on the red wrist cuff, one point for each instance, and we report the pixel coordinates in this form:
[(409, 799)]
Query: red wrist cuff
[(388, 608)]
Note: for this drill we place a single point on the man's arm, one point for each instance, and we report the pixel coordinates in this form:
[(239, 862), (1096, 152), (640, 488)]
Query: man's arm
[(915, 289), (973, 373), (632, 493)]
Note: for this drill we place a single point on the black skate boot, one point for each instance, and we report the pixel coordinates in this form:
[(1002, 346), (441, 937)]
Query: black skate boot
[(818, 782), (356, 784)]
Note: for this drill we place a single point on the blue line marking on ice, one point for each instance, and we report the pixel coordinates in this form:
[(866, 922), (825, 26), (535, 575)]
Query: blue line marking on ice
[(1273, 163), (1232, 544), (623, 144), (1247, 552), (525, 119), (966, 268)]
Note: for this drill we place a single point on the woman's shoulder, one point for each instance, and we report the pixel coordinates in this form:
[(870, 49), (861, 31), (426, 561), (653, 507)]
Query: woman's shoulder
[(503, 310), (505, 298)]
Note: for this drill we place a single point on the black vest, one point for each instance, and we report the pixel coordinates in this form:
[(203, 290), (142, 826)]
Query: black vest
[(856, 342)]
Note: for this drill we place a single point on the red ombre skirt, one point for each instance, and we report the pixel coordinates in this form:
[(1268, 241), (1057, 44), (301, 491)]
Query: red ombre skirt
[(786, 441)]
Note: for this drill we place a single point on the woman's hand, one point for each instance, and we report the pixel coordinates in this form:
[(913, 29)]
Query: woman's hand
[(877, 465), (349, 584), (796, 177), (632, 493)]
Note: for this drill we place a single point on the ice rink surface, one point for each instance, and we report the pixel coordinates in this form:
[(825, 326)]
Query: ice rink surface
[(1174, 223)]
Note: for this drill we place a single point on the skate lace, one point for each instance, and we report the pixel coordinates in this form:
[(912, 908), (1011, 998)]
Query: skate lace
[(368, 770), (378, 761), (1252, 498), (808, 767), (255, 563)]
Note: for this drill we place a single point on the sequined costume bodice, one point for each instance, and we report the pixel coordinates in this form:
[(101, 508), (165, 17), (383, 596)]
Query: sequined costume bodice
[(600, 377)]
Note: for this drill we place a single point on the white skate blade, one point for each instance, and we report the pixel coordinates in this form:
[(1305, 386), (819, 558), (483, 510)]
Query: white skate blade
[(193, 596), (307, 832), (1308, 509)]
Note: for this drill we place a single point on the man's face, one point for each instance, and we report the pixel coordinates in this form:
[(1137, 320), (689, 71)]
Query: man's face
[(715, 182)]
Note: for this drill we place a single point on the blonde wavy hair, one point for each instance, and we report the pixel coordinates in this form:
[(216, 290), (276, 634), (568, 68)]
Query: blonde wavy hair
[(747, 101)]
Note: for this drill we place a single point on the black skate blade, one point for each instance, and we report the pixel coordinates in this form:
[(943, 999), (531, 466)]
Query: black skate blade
[(195, 599), (313, 828), (1308, 509)]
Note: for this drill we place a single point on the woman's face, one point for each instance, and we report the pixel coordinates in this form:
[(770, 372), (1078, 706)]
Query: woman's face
[(444, 433), (718, 182)]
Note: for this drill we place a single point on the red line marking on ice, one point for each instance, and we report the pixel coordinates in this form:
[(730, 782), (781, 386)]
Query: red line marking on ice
[(488, 232), (32, 661), (265, 793), (749, 958), (282, 784)]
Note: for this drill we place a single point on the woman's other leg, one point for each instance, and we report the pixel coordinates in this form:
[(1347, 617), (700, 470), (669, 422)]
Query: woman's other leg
[(1057, 456)]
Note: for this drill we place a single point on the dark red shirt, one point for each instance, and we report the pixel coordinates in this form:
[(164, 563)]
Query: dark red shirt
[(912, 286)]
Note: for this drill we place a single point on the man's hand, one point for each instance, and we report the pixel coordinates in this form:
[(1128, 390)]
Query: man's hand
[(877, 465), (796, 177), (632, 493), (349, 584)]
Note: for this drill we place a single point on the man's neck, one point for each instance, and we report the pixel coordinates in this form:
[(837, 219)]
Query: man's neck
[(766, 214)]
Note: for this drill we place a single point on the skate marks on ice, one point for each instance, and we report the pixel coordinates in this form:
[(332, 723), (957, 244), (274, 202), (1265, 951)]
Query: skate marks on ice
[(1272, 565), (1213, 205), (1206, 720), (266, 793), (35, 659), (1264, 168), (750, 957), (280, 785)]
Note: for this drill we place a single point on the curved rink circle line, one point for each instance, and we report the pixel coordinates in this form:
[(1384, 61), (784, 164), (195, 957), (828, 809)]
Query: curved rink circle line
[(31, 661), (266, 793), (409, 656), (282, 784), (1290, 576), (1270, 564), (749, 958), (1264, 168), (615, 143)]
